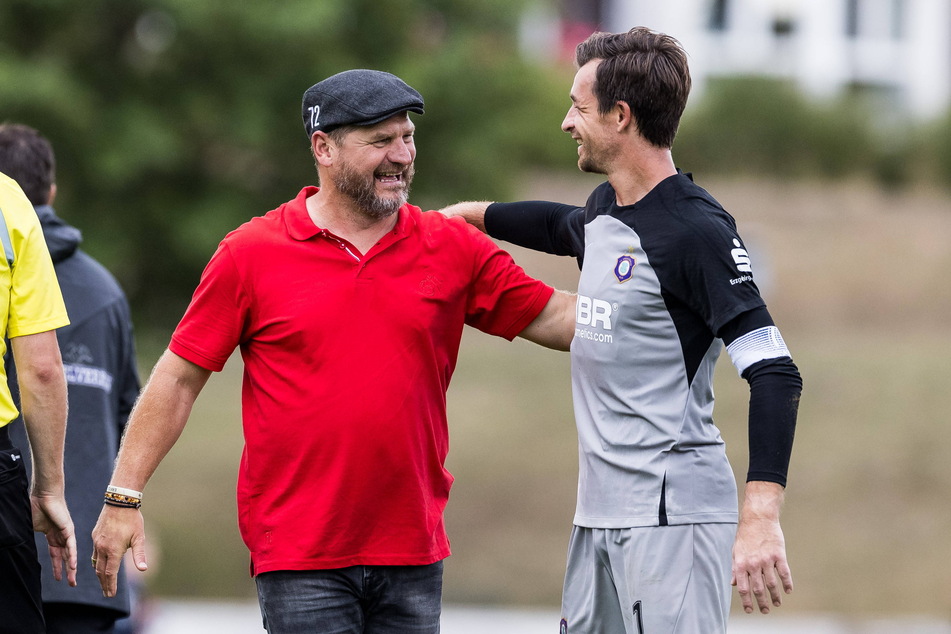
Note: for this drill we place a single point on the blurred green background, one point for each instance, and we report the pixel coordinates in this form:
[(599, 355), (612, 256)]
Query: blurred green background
[(174, 121)]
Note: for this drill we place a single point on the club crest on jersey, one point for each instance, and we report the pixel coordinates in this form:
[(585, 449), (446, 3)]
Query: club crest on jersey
[(563, 628), (624, 269), (430, 286)]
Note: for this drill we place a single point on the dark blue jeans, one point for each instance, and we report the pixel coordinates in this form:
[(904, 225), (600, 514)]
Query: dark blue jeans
[(354, 600)]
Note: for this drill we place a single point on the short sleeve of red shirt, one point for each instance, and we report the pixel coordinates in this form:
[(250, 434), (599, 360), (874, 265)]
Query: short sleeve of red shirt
[(503, 299), (223, 304)]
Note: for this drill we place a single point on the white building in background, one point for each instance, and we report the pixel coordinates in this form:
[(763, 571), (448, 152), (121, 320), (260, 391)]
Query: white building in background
[(898, 51)]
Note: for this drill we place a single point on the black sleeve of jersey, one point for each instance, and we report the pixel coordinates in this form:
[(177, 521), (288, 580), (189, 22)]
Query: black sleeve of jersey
[(745, 322), (775, 386), (543, 226)]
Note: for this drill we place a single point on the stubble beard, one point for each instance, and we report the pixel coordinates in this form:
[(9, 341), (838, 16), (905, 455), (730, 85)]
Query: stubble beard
[(361, 188), (588, 165), (592, 159)]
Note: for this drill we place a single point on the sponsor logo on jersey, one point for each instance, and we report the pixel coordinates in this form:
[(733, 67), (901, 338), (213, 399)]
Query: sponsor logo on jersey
[(741, 279), (593, 312), (593, 317), (741, 258), (624, 269)]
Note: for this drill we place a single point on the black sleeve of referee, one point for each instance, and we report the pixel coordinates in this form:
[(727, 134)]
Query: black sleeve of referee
[(538, 225), (775, 387)]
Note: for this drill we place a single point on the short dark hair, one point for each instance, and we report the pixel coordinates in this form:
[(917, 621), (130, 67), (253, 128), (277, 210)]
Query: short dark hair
[(645, 69), (27, 158), (337, 135)]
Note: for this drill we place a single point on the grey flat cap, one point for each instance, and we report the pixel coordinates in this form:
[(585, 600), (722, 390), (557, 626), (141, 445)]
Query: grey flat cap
[(356, 97)]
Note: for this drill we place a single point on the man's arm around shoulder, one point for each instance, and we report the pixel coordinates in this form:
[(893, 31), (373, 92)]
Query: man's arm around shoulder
[(473, 212), (554, 327), (539, 225)]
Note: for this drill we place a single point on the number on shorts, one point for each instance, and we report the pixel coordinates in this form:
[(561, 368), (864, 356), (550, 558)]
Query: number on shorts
[(638, 624)]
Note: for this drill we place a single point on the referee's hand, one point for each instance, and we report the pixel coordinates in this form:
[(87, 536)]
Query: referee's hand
[(51, 517)]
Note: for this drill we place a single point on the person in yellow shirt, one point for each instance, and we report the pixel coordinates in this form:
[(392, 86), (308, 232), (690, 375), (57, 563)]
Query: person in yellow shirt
[(31, 309)]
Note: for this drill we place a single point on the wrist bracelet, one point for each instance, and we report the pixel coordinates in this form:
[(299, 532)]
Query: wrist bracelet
[(121, 491), (123, 501)]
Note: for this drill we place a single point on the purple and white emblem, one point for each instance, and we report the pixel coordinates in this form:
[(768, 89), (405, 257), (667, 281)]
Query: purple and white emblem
[(624, 269)]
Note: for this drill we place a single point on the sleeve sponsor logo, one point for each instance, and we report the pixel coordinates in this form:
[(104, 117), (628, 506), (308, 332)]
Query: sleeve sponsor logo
[(741, 258)]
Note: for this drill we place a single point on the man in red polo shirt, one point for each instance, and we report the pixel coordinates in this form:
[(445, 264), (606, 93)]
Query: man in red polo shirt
[(348, 305)]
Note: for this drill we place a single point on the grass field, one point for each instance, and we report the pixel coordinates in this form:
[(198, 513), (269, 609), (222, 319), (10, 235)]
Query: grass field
[(857, 280)]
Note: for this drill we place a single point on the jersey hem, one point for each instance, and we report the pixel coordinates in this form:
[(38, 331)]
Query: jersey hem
[(259, 567), (529, 315), (673, 520), (180, 349), (35, 328)]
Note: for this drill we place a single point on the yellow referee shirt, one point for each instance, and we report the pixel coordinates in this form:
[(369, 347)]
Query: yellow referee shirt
[(30, 299)]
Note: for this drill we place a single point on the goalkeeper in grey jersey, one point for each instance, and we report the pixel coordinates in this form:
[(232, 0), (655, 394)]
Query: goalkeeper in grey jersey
[(665, 282)]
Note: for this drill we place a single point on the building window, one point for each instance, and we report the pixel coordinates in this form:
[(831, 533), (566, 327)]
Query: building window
[(718, 15), (876, 19), (783, 26), (898, 19), (852, 18)]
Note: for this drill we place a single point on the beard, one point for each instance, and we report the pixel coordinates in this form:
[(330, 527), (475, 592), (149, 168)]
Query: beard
[(590, 165), (598, 153), (593, 159), (361, 188)]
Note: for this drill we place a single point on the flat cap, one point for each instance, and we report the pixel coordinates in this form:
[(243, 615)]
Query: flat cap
[(356, 97)]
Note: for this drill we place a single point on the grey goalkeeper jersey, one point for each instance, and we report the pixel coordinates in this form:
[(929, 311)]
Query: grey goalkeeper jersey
[(659, 279)]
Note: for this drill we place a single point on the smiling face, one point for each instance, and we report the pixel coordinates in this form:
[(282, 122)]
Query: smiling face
[(587, 126), (374, 166)]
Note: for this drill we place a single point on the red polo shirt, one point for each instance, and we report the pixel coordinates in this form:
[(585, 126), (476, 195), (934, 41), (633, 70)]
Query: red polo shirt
[(347, 360)]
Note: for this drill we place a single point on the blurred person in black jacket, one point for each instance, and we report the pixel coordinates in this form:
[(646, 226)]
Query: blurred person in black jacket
[(99, 358)]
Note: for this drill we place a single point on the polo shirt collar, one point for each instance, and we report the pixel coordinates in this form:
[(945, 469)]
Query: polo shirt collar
[(298, 222), (301, 227)]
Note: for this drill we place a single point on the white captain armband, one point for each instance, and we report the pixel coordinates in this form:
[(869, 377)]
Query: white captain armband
[(755, 346)]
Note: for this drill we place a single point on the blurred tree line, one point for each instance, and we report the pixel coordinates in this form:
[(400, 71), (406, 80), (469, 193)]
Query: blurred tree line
[(174, 121)]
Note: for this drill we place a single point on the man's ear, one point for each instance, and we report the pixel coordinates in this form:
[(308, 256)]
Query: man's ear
[(323, 147), (623, 117), (52, 195)]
